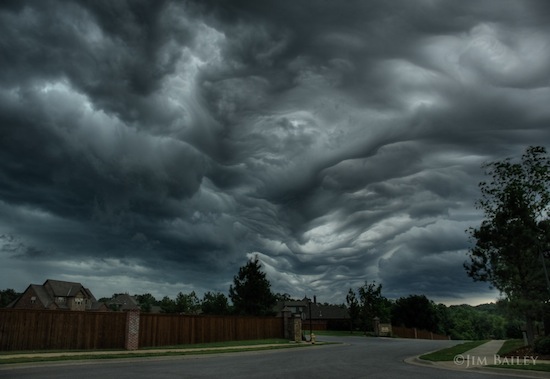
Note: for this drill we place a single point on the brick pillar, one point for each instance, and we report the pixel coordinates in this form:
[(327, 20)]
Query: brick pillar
[(297, 321), (132, 330)]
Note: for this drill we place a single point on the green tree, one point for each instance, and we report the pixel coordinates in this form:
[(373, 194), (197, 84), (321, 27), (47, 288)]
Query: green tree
[(146, 301), (415, 311), (7, 296), (353, 309), (215, 304), (251, 291), (187, 303), (167, 305), (372, 304), (510, 240)]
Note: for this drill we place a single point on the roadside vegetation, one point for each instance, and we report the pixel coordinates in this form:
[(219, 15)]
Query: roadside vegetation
[(164, 351), (449, 353)]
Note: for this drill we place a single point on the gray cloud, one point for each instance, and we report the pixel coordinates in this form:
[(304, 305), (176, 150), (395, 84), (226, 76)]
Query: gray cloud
[(155, 146)]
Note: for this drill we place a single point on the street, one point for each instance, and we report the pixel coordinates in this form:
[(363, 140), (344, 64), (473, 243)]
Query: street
[(356, 357)]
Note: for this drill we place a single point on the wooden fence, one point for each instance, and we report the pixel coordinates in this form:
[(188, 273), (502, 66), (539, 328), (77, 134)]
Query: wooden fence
[(60, 330), (68, 330), (166, 329), (402, 332)]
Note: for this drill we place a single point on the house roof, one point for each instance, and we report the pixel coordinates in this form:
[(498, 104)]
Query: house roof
[(124, 302), (318, 311), (41, 294)]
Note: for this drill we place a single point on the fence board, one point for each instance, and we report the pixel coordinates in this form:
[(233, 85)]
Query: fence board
[(169, 329), (23, 329)]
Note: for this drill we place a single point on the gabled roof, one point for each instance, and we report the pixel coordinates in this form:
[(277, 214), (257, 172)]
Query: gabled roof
[(124, 302), (41, 294), (58, 288)]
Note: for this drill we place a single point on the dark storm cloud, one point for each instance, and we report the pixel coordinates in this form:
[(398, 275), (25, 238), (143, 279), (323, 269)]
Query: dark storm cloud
[(154, 146)]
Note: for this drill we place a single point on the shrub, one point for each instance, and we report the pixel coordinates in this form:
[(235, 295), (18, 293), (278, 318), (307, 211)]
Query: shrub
[(542, 345)]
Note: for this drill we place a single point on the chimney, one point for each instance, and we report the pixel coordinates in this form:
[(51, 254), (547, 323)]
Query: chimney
[(314, 299)]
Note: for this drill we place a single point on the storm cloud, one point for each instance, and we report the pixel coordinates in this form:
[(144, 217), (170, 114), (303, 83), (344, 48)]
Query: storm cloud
[(155, 146)]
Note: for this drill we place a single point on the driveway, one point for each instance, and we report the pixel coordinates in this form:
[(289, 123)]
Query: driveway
[(356, 357)]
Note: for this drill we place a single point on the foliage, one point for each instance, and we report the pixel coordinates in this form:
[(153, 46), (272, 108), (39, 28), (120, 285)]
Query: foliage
[(215, 304), (146, 301), (187, 303), (251, 291), (367, 304), (509, 241), (7, 296), (415, 311), (542, 345)]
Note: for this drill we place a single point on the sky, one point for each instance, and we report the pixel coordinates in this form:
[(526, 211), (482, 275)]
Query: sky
[(157, 146)]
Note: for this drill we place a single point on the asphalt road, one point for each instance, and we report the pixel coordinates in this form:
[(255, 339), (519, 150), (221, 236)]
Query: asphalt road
[(357, 357)]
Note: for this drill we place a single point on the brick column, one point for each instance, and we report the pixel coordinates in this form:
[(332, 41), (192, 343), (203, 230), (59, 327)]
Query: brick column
[(132, 330), (297, 321)]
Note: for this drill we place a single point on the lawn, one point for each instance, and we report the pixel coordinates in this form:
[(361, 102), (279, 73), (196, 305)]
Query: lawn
[(206, 348), (449, 353)]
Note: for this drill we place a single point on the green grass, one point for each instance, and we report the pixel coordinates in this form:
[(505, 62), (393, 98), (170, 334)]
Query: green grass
[(449, 353), (343, 333), (510, 345), (270, 341), (206, 348)]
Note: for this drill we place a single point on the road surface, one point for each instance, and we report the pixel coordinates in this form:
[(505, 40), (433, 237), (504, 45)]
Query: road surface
[(356, 357)]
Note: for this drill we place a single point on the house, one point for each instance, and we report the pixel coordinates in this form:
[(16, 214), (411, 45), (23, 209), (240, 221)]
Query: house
[(323, 316), (57, 294), (123, 302)]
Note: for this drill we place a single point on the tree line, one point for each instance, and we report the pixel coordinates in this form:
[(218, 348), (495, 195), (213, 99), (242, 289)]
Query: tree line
[(462, 322)]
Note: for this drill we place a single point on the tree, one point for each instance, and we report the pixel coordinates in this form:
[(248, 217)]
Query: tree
[(353, 308), (510, 240), (215, 304), (7, 296), (415, 311), (251, 291), (187, 303), (167, 305), (145, 301), (369, 304)]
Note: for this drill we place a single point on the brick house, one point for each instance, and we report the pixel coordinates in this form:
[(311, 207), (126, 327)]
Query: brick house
[(323, 316), (57, 294)]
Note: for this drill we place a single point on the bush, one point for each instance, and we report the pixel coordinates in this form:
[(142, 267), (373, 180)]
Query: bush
[(542, 345)]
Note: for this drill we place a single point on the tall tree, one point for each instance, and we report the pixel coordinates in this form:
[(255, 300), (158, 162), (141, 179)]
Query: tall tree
[(7, 296), (215, 304), (251, 291), (510, 240), (415, 311), (353, 308), (372, 304)]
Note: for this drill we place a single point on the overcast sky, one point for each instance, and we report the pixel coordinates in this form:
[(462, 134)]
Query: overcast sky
[(156, 146)]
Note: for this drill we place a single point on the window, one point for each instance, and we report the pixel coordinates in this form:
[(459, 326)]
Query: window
[(33, 299), (78, 300)]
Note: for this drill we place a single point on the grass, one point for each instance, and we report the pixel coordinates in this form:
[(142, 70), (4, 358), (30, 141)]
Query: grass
[(344, 333), (510, 345), (206, 348), (449, 353)]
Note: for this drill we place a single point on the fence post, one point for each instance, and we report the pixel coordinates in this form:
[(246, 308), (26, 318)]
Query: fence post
[(132, 330), (415, 334)]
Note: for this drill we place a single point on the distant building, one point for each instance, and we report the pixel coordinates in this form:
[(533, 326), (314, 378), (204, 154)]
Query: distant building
[(57, 294), (323, 316), (123, 302)]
